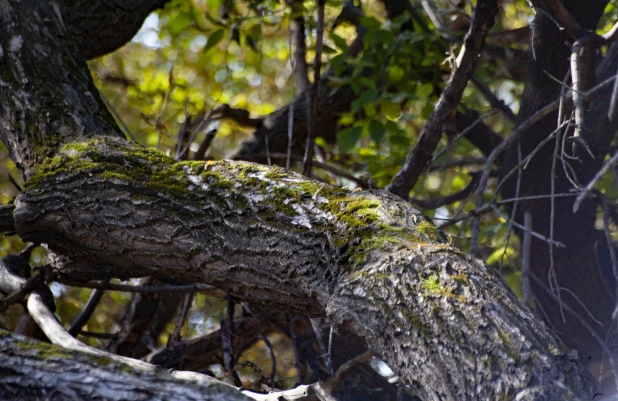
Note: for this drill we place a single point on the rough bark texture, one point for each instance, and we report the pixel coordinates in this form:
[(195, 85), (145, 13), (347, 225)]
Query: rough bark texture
[(368, 261), (448, 325), (46, 94), (33, 371)]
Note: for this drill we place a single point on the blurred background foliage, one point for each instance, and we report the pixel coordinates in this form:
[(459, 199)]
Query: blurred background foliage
[(196, 55)]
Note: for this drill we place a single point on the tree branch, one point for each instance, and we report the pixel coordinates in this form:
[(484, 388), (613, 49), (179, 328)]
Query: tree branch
[(420, 154), (100, 27)]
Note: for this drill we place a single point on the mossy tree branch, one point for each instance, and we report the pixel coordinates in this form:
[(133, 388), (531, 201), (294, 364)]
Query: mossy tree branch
[(368, 261)]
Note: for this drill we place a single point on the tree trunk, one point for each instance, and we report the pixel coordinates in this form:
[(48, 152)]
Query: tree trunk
[(582, 267)]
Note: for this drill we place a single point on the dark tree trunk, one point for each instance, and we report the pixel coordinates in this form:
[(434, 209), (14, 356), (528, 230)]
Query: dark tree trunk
[(582, 266)]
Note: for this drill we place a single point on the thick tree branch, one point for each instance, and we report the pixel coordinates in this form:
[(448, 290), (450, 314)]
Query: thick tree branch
[(420, 154), (298, 245), (366, 260), (24, 95), (33, 371), (100, 27)]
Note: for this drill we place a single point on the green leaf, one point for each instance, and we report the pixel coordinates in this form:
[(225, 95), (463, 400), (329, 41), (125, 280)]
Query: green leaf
[(376, 131), (425, 90), (496, 256), (370, 23), (369, 83), (348, 138), (214, 39), (249, 40), (338, 41), (328, 50)]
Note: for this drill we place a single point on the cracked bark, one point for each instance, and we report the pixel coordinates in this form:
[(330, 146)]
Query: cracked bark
[(447, 324)]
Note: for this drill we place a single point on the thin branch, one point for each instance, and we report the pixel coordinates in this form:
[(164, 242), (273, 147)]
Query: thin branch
[(583, 322), (555, 10), (465, 162), (312, 121), (525, 257), (533, 233), (297, 34), (505, 144), (273, 360), (551, 275), (205, 145), (93, 301), (38, 309), (420, 155), (323, 350), (330, 384), (608, 237), (299, 378), (148, 289), (117, 116), (182, 316), (602, 171), (27, 287), (487, 208)]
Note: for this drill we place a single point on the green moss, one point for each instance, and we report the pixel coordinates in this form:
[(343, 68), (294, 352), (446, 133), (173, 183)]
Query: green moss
[(352, 211), (461, 278), (276, 173), (432, 284), (428, 230)]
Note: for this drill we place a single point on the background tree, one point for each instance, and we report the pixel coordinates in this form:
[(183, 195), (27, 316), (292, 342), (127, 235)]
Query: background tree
[(371, 100)]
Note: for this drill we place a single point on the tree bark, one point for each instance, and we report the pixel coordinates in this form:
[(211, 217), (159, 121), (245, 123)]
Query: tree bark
[(367, 260), (33, 371), (447, 324)]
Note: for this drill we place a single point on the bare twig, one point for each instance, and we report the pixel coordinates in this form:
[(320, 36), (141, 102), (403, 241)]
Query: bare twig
[(610, 243), (525, 257), (470, 161), (273, 360), (182, 316), (153, 289), (420, 154), (29, 285), (205, 145), (117, 116), (299, 377), (93, 301), (312, 114), (602, 171), (563, 18), (552, 218), (533, 233), (315, 325), (505, 144), (584, 323), (297, 34)]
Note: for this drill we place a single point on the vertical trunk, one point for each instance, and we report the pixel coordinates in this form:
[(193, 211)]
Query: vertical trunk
[(580, 267)]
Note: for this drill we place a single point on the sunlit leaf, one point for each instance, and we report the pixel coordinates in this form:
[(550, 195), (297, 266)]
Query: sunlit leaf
[(214, 39)]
